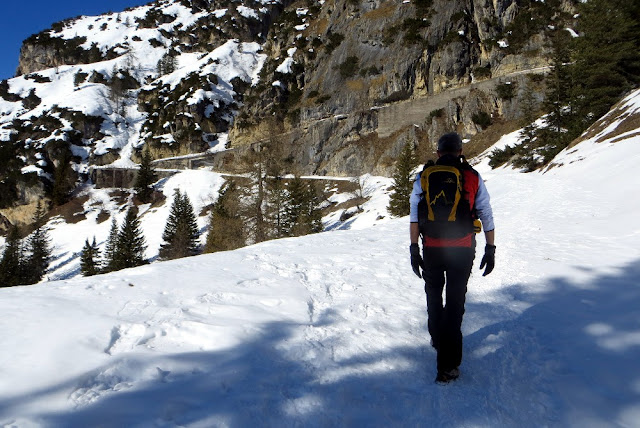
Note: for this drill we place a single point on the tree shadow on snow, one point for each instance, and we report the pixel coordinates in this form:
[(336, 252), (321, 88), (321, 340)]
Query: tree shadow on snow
[(571, 358)]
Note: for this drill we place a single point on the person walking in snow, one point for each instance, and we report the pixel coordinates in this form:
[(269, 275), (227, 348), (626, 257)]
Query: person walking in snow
[(446, 200)]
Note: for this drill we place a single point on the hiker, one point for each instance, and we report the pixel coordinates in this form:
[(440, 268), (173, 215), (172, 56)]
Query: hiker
[(448, 245)]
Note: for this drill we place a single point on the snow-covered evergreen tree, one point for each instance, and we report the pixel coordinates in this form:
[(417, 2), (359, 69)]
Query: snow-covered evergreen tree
[(90, 258), (256, 162), (11, 261), (181, 233), (131, 244), (145, 178), (38, 250), (302, 211), (402, 182), (111, 248), (276, 200), (226, 227)]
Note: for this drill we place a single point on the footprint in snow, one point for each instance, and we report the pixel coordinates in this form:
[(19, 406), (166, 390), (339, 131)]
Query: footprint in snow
[(125, 337)]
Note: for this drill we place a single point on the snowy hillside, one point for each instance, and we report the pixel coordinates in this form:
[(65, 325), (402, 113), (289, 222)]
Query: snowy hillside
[(330, 329), (202, 187), (130, 45)]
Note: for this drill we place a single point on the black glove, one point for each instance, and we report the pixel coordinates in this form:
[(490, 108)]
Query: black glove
[(416, 259), (488, 259)]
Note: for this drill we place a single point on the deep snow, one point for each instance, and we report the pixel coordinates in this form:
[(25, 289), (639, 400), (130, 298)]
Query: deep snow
[(330, 329)]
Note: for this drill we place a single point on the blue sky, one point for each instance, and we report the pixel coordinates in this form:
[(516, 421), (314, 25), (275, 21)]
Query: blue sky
[(21, 18)]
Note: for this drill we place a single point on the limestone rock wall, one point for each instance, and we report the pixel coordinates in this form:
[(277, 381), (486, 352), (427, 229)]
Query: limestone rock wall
[(394, 66)]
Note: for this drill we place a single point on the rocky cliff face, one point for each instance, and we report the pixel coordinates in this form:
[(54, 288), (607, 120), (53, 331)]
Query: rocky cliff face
[(358, 59)]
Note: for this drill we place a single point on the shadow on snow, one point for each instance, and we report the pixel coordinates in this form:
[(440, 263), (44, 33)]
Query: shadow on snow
[(570, 358)]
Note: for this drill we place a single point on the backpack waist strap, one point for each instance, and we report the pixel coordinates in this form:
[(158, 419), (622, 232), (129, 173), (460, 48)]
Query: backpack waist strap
[(465, 241)]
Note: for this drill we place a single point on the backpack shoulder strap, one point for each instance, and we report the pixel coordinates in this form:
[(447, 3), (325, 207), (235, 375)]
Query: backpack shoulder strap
[(462, 163), (428, 164)]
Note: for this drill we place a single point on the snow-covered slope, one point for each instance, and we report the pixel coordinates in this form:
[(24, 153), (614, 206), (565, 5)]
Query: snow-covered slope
[(330, 329), (202, 187), (131, 44), (68, 238)]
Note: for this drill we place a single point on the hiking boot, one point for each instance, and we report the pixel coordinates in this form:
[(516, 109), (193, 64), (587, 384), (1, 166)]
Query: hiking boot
[(447, 376)]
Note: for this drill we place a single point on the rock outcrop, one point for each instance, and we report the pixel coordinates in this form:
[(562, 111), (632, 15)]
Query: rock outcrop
[(373, 63)]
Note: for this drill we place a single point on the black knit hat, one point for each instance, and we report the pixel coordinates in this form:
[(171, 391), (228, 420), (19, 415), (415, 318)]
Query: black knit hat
[(449, 143)]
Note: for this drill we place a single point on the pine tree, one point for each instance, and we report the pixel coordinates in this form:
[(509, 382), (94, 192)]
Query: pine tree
[(12, 259), (529, 112), (190, 225), (145, 178), (402, 182), (10, 170), (560, 104), (607, 59), (263, 207), (117, 91), (89, 258), (275, 185), (131, 244), (181, 233), (302, 213), (312, 216), (168, 63), (166, 249), (226, 227), (276, 199), (256, 162), (293, 205), (111, 249), (559, 83), (526, 154), (38, 249)]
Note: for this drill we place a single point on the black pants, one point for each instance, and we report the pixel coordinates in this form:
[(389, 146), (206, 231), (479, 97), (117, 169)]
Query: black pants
[(450, 267)]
